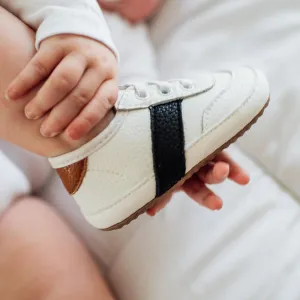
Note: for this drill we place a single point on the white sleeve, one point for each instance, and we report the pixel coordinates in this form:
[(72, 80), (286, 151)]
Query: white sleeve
[(13, 182), (52, 17)]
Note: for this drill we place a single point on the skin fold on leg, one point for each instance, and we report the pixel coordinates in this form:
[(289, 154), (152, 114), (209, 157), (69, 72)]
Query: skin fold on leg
[(16, 50), (42, 259)]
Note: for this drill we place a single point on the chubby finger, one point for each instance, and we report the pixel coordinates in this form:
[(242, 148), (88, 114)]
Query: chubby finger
[(200, 193), (39, 68), (70, 107), (237, 173), (63, 79), (159, 206), (94, 112), (214, 173)]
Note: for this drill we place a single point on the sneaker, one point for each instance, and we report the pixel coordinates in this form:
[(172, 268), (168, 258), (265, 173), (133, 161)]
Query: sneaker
[(162, 133)]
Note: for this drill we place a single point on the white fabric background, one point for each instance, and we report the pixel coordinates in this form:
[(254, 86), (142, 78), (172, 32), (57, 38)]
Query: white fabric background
[(251, 249)]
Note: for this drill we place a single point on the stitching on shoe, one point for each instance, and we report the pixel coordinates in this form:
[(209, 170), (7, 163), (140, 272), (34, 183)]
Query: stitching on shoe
[(107, 171), (210, 107), (117, 203), (193, 143)]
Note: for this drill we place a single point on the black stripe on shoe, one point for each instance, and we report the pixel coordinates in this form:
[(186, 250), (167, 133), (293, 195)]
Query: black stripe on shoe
[(167, 145)]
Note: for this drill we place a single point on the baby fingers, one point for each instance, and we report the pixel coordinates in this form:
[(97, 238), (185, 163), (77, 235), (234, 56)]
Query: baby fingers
[(200, 193), (214, 173), (71, 106), (63, 79), (37, 70), (95, 111)]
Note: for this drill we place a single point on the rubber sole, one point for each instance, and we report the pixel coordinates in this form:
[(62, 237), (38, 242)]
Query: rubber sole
[(195, 169)]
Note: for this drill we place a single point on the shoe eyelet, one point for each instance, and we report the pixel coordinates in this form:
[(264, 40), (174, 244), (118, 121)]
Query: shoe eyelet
[(145, 97), (188, 87), (166, 92)]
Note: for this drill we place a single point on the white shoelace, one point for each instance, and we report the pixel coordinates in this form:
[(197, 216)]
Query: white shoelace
[(165, 87)]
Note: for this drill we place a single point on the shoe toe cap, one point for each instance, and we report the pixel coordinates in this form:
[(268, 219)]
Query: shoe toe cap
[(243, 95)]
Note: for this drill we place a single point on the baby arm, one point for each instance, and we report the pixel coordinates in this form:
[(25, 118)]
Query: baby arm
[(76, 61)]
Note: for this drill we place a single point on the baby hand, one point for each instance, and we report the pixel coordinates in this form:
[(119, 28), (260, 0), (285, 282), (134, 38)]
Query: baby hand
[(132, 10), (221, 168), (79, 85)]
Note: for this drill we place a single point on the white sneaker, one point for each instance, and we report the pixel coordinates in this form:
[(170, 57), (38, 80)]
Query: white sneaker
[(161, 134)]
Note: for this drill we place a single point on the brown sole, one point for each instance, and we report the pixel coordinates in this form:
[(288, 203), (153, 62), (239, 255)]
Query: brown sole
[(187, 176)]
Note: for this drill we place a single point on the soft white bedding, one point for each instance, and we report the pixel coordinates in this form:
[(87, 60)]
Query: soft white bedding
[(251, 249)]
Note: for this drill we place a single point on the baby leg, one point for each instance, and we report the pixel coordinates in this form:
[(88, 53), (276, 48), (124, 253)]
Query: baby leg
[(40, 258)]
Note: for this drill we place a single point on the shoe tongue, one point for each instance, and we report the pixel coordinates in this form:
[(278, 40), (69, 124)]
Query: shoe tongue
[(129, 100), (128, 94)]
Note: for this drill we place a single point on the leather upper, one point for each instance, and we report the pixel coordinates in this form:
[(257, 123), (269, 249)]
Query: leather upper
[(128, 99), (120, 177)]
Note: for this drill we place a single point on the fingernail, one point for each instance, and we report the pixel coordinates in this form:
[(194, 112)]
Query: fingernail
[(73, 134), (10, 94), (48, 134), (151, 212), (244, 178), (246, 174), (6, 97), (225, 173), (29, 115), (225, 176), (219, 207)]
